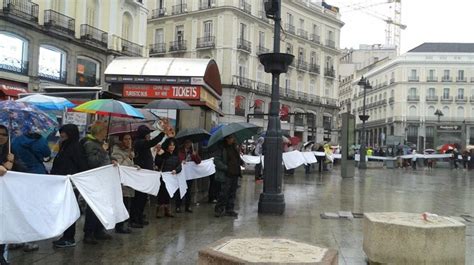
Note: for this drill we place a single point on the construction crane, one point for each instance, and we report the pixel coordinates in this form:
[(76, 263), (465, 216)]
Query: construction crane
[(394, 24)]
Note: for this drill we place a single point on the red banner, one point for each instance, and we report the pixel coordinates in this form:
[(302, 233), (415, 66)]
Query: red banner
[(161, 91)]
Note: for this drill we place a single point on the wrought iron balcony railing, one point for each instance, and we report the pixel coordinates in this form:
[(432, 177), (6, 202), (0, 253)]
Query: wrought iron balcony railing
[(447, 79), (52, 75), (14, 66), (178, 46), (23, 9), (57, 21), (301, 65), (95, 35), (460, 99), (431, 79), (158, 48), (126, 47), (244, 45), (261, 49), (262, 15), (413, 98), (179, 9), (315, 38), (431, 98), (290, 28), (461, 79), (413, 78), (303, 33), (207, 4), (329, 72), (245, 6), (331, 43), (206, 42), (314, 68), (446, 99), (160, 12)]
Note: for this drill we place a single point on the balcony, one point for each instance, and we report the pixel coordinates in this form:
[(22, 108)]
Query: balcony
[(461, 79), (160, 12), (94, 35), (264, 88), (291, 93), (413, 98), (431, 98), (179, 9), (263, 16), (244, 45), (207, 4), (315, 38), (262, 49), (314, 68), (413, 79), (178, 46), (431, 79), (245, 6), (21, 9), (12, 65), (331, 43), (391, 100), (158, 48), (242, 82), (446, 99), (446, 79), (461, 99), (301, 65), (329, 72), (58, 22), (207, 42), (290, 28), (303, 33), (392, 80), (127, 47)]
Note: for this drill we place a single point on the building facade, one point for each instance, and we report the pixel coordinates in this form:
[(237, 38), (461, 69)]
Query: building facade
[(234, 33), (409, 90), (66, 43)]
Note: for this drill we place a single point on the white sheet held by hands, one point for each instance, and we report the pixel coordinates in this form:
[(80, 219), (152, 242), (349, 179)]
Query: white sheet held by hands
[(309, 157), (293, 159), (102, 190), (194, 171), (143, 180), (35, 207), (175, 182)]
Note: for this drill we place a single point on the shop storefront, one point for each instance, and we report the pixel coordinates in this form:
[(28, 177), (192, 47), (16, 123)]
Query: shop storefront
[(11, 89)]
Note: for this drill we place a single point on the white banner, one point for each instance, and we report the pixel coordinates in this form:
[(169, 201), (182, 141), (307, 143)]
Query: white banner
[(293, 159), (194, 171), (175, 182), (309, 157), (253, 160), (147, 181), (102, 190), (35, 207)]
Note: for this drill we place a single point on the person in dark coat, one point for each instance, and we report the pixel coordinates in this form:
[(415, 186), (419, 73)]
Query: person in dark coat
[(186, 154), (167, 161), (69, 160), (227, 162), (144, 159)]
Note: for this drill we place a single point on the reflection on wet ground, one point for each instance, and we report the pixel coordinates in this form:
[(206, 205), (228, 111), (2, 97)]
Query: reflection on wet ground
[(177, 240)]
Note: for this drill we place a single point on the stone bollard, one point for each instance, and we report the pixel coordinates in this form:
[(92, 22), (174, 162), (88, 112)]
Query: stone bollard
[(233, 251), (406, 238)]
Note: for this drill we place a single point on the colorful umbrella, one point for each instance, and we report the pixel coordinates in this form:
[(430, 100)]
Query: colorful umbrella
[(44, 102), (241, 131), (23, 117)]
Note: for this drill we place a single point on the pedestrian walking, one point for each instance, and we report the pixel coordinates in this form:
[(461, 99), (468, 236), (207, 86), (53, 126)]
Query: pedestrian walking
[(413, 159), (186, 154), (258, 151), (167, 161), (144, 159), (227, 162), (320, 158), (69, 160), (124, 154)]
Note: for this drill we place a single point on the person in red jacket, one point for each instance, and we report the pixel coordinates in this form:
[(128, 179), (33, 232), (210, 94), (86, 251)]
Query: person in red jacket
[(186, 154)]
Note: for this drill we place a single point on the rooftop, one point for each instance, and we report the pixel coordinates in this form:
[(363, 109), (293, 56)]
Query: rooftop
[(444, 47)]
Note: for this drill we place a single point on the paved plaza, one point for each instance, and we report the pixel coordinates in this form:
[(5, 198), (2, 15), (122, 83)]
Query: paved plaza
[(178, 240)]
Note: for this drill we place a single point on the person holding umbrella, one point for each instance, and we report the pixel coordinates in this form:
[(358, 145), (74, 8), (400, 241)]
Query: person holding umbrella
[(144, 159), (187, 154)]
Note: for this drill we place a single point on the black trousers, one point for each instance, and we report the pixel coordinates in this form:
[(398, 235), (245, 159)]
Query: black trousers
[(70, 232), (2, 250), (214, 188), (138, 207), (92, 225), (258, 171), (227, 194), (187, 196)]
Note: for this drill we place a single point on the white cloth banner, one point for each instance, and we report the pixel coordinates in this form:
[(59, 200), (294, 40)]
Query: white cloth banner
[(317, 153), (248, 159), (147, 181), (194, 171), (293, 159), (35, 207), (102, 191), (309, 157), (175, 182)]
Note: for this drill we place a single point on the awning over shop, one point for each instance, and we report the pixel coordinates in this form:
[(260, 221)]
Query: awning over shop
[(12, 89)]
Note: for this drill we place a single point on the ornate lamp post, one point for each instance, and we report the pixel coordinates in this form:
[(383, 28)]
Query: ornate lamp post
[(365, 84), (438, 113), (272, 200)]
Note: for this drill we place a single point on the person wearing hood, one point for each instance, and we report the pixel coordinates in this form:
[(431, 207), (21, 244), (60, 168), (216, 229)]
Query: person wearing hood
[(32, 149), (144, 159), (69, 160)]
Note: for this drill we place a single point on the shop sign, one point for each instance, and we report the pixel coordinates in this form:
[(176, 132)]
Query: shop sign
[(161, 91), (166, 80), (449, 128), (209, 99)]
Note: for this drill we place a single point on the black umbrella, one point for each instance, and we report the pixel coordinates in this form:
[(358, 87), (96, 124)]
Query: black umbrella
[(193, 134), (168, 104)]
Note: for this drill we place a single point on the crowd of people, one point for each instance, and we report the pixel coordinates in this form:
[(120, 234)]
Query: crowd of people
[(163, 153)]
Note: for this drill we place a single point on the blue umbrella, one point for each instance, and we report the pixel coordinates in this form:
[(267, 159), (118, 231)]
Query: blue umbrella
[(44, 102), (211, 132)]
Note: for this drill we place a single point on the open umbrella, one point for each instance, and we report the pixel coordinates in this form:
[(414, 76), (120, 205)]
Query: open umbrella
[(469, 147), (305, 145), (445, 147), (168, 104), (193, 134), (294, 140), (20, 116), (241, 131), (44, 102)]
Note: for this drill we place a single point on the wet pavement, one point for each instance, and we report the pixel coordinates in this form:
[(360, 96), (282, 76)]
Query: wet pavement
[(178, 240)]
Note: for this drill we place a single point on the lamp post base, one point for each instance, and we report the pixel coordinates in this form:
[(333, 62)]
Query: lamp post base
[(271, 203), (362, 165)]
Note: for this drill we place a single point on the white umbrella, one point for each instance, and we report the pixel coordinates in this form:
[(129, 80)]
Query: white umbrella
[(44, 102)]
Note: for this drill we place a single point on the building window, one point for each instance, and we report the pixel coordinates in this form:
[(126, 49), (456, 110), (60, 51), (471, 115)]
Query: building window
[(312, 87), (446, 75), (460, 93), (92, 11), (13, 53), (460, 112), (299, 85), (159, 36), (239, 105), (289, 18), (52, 64), (260, 73), (446, 93), (127, 23), (431, 75), (88, 72), (446, 111), (243, 31), (431, 111), (460, 75), (431, 92), (208, 31), (327, 122), (412, 111), (412, 92), (259, 106), (289, 48), (179, 35)]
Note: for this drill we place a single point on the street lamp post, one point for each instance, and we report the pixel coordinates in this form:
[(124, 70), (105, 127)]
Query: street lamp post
[(438, 113), (364, 83), (272, 200)]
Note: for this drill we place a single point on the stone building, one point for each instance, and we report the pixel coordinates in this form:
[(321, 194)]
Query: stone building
[(66, 43), (234, 33), (409, 91)]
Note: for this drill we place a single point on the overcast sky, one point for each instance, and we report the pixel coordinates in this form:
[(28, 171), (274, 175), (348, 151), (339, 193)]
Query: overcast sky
[(426, 20)]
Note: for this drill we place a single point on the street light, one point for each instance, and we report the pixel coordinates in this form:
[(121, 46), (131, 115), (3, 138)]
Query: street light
[(365, 84), (438, 113)]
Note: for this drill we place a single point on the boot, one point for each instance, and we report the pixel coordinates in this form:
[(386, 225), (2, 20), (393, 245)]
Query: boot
[(167, 211), (158, 210)]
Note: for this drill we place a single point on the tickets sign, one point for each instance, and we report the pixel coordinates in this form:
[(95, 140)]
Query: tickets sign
[(161, 91)]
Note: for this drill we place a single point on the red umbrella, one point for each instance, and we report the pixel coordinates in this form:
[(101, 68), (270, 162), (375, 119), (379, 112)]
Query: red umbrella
[(294, 140), (445, 147)]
